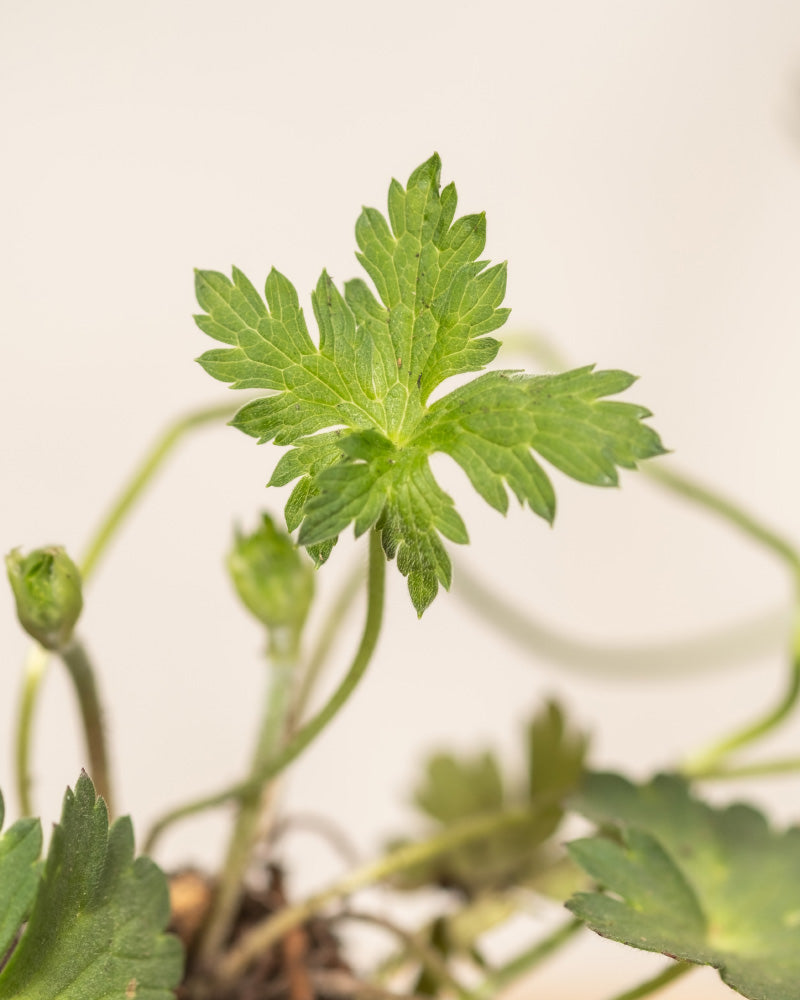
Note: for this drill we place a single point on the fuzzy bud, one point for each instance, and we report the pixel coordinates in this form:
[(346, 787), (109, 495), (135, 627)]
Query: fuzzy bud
[(47, 588), (272, 577)]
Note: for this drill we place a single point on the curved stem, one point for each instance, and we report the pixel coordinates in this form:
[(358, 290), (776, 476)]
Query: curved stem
[(375, 593), (36, 658), (80, 670), (498, 979), (669, 975), (266, 933), (731, 512), (142, 476), (716, 650), (707, 763), (36, 661)]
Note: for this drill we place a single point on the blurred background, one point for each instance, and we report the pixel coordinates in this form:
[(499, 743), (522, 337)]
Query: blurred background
[(640, 169)]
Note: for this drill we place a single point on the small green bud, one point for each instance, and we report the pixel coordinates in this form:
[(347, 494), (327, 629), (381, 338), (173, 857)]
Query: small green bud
[(272, 577), (47, 589)]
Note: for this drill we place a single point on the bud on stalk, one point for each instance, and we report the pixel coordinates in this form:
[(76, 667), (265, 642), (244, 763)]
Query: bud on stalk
[(47, 589), (272, 577)]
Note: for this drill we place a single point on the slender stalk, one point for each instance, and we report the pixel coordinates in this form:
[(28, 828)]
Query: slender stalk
[(375, 598), (80, 670), (715, 650), (498, 979), (763, 769), (707, 764), (282, 672), (335, 618), (669, 975), (266, 933), (730, 511), (142, 477), (37, 659)]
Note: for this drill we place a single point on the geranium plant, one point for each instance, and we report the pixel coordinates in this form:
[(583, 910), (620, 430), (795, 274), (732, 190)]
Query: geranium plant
[(387, 380)]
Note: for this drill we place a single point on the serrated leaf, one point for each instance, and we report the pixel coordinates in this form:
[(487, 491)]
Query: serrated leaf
[(354, 406), (714, 886), (19, 875), (96, 928)]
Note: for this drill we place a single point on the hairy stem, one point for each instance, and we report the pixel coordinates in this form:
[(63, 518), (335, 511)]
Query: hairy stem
[(498, 979), (80, 670), (375, 594), (282, 672), (37, 658), (402, 858), (670, 974)]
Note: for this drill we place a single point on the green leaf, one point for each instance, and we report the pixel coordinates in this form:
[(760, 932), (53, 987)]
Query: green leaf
[(19, 875), (354, 407), (95, 931), (455, 789), (714, 886), (556, 755)]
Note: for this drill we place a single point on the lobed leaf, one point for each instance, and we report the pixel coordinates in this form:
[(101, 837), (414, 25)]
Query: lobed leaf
[(355, 405), (706, 885)]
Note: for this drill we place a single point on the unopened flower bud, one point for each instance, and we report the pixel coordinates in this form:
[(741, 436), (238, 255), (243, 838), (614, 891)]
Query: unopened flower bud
[(47, 588), (272, 577)]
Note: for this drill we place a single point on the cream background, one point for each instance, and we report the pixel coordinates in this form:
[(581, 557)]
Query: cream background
[(640, 168)]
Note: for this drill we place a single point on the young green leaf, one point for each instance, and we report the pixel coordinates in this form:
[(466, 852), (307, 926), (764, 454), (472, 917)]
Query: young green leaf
[(458, 788), (355, 407), (19, 875), (96, 927), (712, 886), (556, 755)]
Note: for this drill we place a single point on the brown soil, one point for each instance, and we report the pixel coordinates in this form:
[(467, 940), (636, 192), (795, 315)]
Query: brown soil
[(305, 965)]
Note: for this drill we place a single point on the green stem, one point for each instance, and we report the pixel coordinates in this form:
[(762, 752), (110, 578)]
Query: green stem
[(764, 769), (669, 975), (80, 670), (37, 659), (142, 476), (716, 650), (282, 672), (498, 979), (334, 620), (707, 764), (375, 598), (730, 511), (266, 933)]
